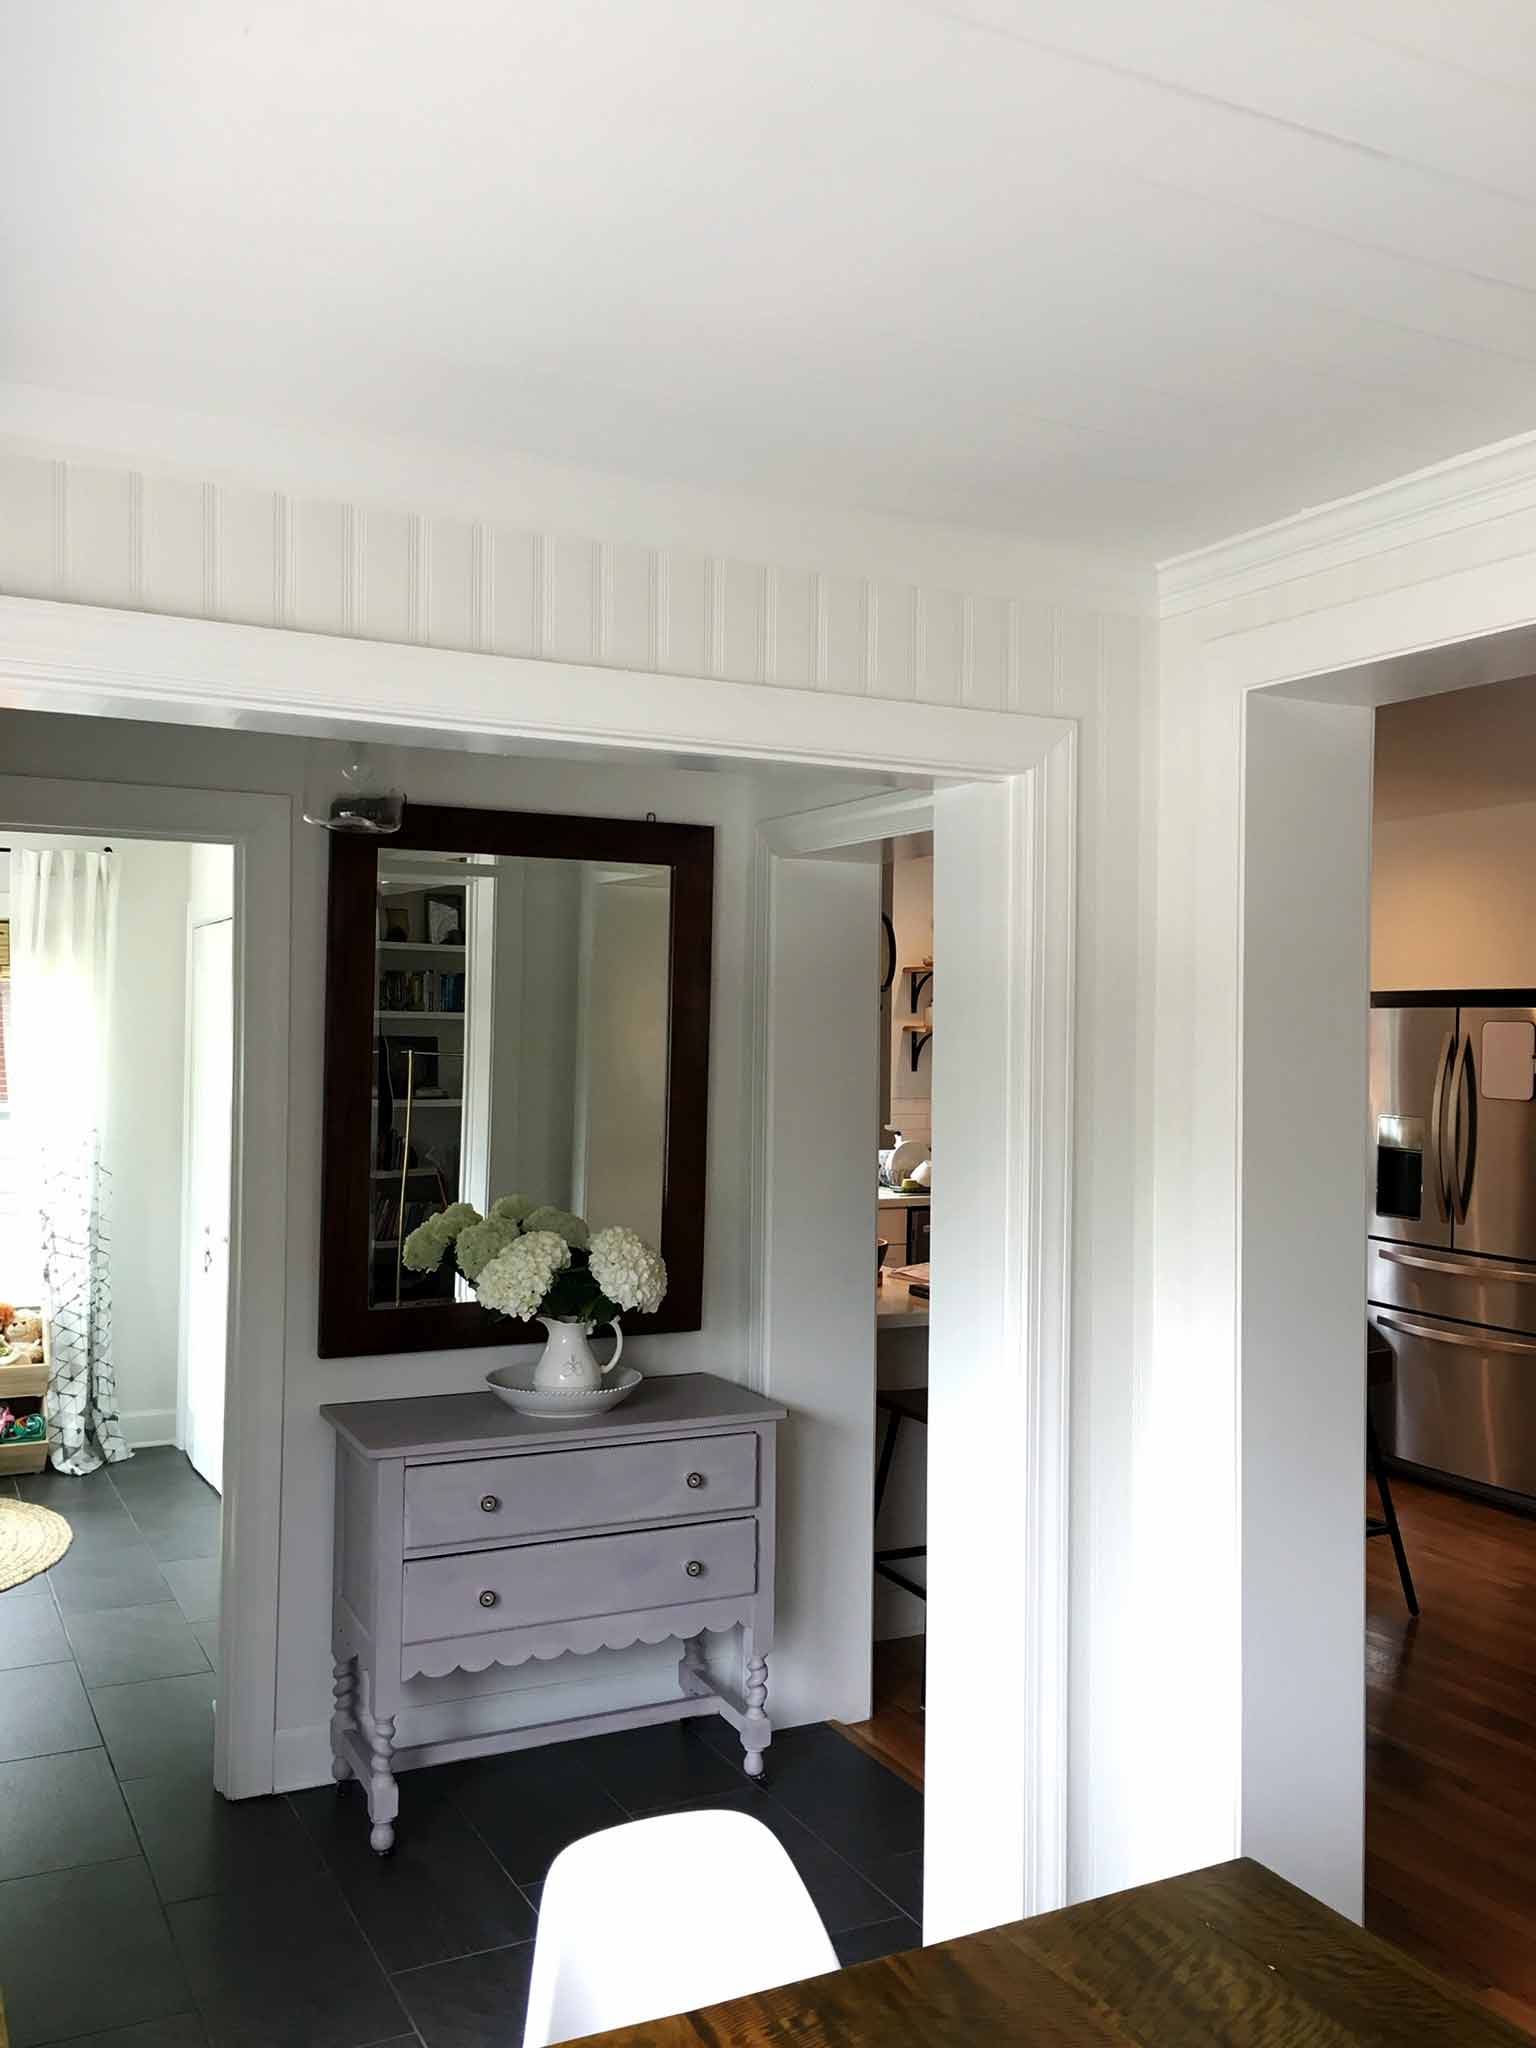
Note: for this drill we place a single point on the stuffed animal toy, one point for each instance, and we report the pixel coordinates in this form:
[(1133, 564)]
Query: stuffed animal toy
[(25, 1331)]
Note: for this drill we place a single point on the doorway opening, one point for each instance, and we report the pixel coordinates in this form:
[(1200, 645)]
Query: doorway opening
[(894, 1731), (1451, 1262), (1353, 1777), (117, 998), (1011, 810), (153, 1021)]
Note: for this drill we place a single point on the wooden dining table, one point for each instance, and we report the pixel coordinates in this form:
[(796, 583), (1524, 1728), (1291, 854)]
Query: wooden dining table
[(1231, 1957)]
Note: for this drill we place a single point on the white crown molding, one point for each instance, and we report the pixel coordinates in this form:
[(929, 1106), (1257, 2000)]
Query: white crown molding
[(1468, 490)]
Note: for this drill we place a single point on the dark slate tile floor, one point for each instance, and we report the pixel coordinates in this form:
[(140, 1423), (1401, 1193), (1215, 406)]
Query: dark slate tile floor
[(203, 1924)]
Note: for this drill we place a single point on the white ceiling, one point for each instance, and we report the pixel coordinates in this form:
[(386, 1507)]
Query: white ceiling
[(1113, 274)]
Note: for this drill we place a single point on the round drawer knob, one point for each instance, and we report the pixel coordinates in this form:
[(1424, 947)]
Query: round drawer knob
[(489, 1503), (487, 1598), (695, 1480), (694, 1568)]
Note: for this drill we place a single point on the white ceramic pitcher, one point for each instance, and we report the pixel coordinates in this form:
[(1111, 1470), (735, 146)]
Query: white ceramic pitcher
[(567, 1365)]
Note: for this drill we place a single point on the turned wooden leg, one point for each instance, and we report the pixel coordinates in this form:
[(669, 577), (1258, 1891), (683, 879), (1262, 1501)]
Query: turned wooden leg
[(756, 1735), (344, 1718), (383, 1792)]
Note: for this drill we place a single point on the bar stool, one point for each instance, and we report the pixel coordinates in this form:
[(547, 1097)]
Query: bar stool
[(1380, 1365), (898, 1405)]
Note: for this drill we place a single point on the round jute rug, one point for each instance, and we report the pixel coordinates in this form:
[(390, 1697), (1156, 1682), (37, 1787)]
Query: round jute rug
[(31, 1539)]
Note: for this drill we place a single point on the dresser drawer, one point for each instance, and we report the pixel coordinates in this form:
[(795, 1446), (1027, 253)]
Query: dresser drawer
[(585, 1575), (544, 1491)]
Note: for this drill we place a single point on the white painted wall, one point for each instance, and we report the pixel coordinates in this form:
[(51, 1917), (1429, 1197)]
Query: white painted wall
[(445, 547), (147, 1078), (1305, 1006), (1454, 841), (1452, 900), (538, 928), (621, 1123), (210, 883), (823, 961)]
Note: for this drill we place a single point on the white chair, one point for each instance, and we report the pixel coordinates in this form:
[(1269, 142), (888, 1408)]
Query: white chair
[(664, 1915)]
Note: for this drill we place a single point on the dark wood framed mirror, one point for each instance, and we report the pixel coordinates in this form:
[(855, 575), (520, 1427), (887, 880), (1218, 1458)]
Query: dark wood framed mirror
[(515, 1003)]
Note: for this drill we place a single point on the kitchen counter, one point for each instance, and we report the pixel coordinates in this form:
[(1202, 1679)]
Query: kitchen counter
[(897, 1307)]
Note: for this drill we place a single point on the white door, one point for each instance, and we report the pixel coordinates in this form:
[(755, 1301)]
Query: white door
[(210, 1097)]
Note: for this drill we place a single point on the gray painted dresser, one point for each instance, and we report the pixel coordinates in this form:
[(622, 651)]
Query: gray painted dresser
[(468, 1535)]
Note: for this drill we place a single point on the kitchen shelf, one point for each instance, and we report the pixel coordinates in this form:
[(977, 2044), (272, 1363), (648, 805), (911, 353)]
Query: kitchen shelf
[(411, 1172), (921, 972), (419, 946), (429, 1102), (919, 1034), (418, 1016)]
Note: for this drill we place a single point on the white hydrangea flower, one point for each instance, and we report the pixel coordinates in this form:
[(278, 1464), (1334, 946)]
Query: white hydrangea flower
[(517, 1279), (510, 1209), (561, 1222), (423, 1249), (480, 1242), (628, 1271)]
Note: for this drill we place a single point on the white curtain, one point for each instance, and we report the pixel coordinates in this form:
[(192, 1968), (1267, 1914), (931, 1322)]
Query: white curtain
[(63, 941)]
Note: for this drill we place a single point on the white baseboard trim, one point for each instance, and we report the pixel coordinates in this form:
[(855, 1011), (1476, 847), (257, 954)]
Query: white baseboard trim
[(146, 1427)]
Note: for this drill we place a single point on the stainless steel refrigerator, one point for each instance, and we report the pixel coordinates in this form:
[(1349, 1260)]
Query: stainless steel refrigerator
[(1451, 1279)]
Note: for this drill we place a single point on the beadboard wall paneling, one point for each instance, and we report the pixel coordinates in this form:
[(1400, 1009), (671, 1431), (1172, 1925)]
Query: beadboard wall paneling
[(102, 533)]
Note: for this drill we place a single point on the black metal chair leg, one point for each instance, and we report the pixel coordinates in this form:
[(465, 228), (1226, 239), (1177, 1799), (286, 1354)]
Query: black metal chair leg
[(887, 1453), (1378, 1466)]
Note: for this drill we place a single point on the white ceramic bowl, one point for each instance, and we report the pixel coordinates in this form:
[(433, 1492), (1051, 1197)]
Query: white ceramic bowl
[(514, 1385), (910, 1153)]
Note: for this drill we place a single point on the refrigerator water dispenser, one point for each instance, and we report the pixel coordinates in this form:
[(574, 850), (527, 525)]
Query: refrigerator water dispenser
[(1400, 1166)]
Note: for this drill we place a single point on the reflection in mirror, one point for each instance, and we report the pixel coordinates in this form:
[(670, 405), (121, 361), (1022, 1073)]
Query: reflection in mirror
[(519, 1047)]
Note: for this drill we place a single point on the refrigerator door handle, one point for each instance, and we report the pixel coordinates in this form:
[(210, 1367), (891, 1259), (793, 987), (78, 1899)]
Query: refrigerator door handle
[(1484, 1340), (1441, 1179), (1460, 1269), (1463, 1133)]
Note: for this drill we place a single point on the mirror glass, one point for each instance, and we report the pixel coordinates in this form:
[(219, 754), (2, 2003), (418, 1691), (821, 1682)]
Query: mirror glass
[(519, 1047)]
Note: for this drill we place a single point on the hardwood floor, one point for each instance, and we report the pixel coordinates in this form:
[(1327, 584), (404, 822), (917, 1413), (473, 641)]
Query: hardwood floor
[(893, 1734), (1450, 1867)]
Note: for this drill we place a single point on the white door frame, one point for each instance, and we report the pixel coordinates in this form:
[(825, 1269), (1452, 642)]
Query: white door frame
[(998, 1440), (196, 922), (258, 827), (1275, 652), (1011, 944)]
